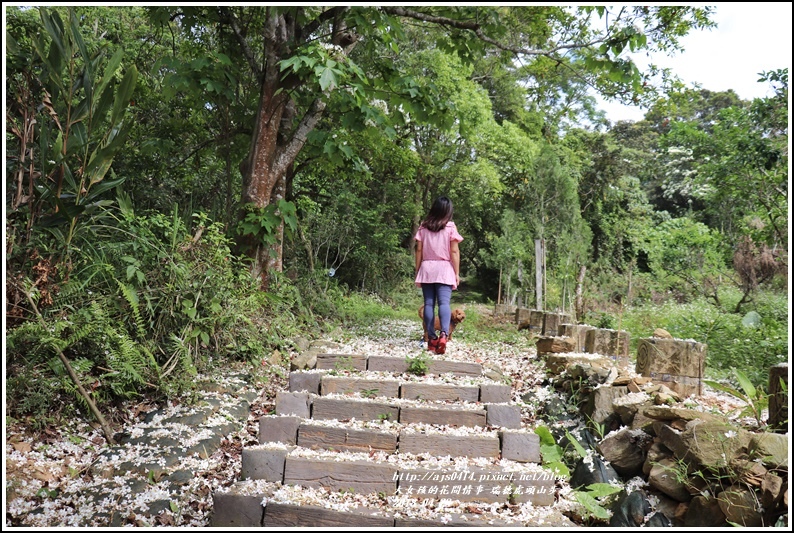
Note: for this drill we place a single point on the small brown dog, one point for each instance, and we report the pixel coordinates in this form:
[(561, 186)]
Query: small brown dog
[(457, 317)]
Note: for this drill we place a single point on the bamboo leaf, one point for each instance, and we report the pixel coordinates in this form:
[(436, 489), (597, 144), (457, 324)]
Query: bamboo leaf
[(123, 95), (54, 26), (110, 70), (78, 39), (745, 383), (725, 388)]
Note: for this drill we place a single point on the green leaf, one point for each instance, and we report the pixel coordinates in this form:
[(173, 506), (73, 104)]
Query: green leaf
[(558, 468), (54, 26), (725, 388), (599, 490), (545, 435), (123, 95), (751, 320), (578, 447), (327, 78), (550, 453), (590, 503), (745, 384), (110, 70)]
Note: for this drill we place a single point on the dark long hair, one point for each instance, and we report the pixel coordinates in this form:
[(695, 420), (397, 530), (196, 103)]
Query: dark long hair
[(440, 213)]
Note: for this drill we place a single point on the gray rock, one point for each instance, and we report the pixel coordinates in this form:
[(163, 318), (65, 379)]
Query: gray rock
[(625, 450), (772, 448), (667, 476), (592, 471), (739, 504), (304, 360), (599, 403), (629, 510), (656, 453), (704, 512)]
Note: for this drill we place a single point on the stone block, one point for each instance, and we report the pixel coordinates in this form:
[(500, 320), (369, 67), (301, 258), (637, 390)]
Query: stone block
[(679, 364), (305, 382), (578, 332), (778, 399), (598, 405), (336, 409), (362, 477), (771, 448), (704, 512), (608, 342), (386, 388), (231, 509), (536, 321), (557, 363), (495, 393), (381, 363), (740, 506), (398, 365), (458, 368), (522, 314), (279, 429), (343, 439), (552, 321), (520, 447), (555, 345), (341, 362), (438, 392), (293, 404), (442, 445), (500, 415), (504, 311), (442, 416), (285, 516), (263, 463)]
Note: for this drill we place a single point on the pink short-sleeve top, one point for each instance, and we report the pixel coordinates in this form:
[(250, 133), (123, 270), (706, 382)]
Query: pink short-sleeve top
[(436, 266)]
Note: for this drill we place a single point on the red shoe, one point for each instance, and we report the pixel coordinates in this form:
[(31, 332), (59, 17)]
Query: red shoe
[(441, 346), (432, 345)]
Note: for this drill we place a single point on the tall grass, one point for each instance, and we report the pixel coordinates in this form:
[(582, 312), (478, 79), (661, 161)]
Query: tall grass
[(751, 344)]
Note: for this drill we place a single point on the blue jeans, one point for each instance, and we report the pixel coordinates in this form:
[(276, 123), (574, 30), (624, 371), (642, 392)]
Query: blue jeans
[(437, 293)]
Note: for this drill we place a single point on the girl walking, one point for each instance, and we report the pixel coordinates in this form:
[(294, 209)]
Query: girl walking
[(438, 269)]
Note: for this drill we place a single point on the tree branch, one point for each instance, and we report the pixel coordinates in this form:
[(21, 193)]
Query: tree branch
[(475, 28), (298, 139), (75, 379), (247, 52)]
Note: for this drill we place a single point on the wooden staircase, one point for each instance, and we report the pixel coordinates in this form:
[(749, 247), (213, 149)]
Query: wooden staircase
[(361, 442)]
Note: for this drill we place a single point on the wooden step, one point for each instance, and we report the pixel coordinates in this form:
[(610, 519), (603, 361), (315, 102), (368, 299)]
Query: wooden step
[(398, 365), (374, 385), (343, 439), (394, 365), (520, 446), (286, 515), (362, 473), (367, 387), (252, 504)]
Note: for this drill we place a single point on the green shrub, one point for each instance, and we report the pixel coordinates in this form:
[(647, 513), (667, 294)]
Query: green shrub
[(750, 346)]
